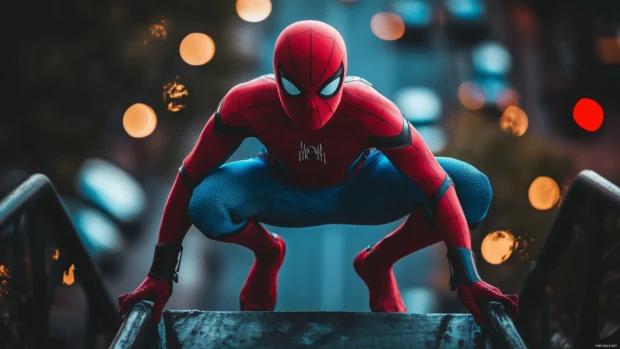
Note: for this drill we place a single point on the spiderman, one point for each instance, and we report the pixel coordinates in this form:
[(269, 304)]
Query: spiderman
[(336, 152)]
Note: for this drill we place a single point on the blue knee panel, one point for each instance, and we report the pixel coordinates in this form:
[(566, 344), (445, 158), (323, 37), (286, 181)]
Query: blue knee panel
[(212, 205), (472, 188)]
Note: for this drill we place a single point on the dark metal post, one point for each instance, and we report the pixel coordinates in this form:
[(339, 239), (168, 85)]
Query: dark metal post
[(135, 328), (587, 332), (501, 329)]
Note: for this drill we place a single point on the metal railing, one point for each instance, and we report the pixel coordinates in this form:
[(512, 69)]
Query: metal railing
[(597, 196), (137, 325), (28, 215), (500, 329)]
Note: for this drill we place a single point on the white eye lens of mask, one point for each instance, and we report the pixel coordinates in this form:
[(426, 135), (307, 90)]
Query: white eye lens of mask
[(331, 87), (289, 87)]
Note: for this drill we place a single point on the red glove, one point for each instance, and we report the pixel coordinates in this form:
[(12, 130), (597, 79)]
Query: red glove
[(157, 291), (472, 291), (479, 293), (157, 287)]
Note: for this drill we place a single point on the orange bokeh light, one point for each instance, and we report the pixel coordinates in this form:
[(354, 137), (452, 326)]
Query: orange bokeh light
[(173, 94), (387, 26), (588, 114), (139, 120), (507, 98), (158, 30), (544, 193), (68, 277), (514, 121), (253, 10), (56, 254), (608, 50), (4, 284), (197, 49), (497, 247), (471, 96)]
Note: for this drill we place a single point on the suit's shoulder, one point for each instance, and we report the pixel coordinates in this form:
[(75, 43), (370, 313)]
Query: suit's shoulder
[(249, 99), (350, 79), (375, 112), (359, 94), (261, 85)]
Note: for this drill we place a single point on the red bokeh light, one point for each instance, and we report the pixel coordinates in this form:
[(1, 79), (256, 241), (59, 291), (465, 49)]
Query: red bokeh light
[(588, 114)]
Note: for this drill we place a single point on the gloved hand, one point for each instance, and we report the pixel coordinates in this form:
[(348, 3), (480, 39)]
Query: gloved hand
[(474, 295), (157, 291)]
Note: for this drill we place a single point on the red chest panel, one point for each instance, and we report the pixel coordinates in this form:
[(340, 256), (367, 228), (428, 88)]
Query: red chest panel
[(313, 158)]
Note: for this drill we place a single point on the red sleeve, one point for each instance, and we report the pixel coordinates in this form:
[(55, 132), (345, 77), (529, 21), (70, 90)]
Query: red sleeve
[(417, 162), (221, 136), (390, 132)]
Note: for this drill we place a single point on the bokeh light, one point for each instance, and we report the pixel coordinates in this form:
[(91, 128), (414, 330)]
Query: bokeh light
[(5, 276), (506, 98), (514, 121), (608, 50), (158, 30), (139, 120), (471, 96), (434, 136), (253, 10), (497, 247), (418, 104), (387, 26), (466, 10), (491, 58), (112, 189), (588, 114), (173, 94), (544, 193), (197, 49), (415, 13), (55, 254), (99, 233), (68, 277)]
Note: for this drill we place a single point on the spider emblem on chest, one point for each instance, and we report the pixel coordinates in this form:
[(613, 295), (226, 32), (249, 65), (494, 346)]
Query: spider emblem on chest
[(311, 153)]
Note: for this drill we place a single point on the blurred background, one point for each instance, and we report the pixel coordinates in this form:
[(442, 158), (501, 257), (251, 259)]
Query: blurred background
[(107, 97)]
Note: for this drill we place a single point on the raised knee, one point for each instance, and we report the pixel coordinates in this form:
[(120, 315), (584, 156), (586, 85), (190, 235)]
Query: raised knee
[(207, 210), (475, 196), (473, 188)]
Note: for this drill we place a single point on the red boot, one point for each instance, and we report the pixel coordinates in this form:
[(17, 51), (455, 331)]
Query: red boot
[(374, 264), (260, 291)]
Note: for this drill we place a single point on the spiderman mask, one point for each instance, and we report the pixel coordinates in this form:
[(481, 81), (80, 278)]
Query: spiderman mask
[(310, 64)]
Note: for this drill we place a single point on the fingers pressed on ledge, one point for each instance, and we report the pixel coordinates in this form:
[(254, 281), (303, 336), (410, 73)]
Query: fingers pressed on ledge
[(128, 302)]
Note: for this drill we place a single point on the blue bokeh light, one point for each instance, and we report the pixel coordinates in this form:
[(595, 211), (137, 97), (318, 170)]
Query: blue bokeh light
[(491, 58), (492, 87), (112, 189), (418, 104), (434, 136), (466, 10), (99, 233), (415, 13)]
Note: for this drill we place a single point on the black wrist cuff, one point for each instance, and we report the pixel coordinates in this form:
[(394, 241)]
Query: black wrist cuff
[(166, 262), (462, 267)]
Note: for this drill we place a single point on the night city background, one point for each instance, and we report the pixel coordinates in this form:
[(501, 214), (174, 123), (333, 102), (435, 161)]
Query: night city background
[(114, 94)]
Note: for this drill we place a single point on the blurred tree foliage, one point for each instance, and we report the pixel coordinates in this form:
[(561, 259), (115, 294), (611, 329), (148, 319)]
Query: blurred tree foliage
[(511, 163), (80, 64)]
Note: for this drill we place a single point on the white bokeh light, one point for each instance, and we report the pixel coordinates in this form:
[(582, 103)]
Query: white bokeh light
[(112, 189), (434, 136), (491, 58), (418, 104)]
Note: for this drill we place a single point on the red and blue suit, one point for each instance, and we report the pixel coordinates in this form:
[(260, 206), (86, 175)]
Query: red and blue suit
[(335, 152)]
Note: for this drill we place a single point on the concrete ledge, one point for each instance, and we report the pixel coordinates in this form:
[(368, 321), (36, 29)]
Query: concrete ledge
[(346, 330)]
